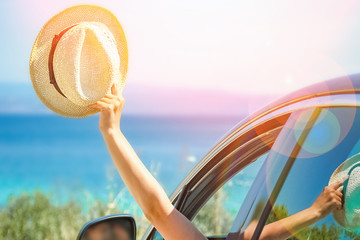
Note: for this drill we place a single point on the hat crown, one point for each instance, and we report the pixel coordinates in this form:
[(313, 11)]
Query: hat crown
[(54, 80), (349, 215), (86, 62), (352, 196)]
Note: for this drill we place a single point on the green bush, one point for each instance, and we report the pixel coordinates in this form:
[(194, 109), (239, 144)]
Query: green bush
[(213, 219), (34, 216), (315, 232)]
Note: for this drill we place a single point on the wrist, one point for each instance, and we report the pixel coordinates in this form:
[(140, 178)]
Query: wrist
[(315, 213)]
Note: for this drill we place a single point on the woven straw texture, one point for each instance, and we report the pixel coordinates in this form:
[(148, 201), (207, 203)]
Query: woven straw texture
[(349, 215), (86, 91)]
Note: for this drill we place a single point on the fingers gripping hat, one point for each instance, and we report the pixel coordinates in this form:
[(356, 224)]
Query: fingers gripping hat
[(77, 56), (349, 215)]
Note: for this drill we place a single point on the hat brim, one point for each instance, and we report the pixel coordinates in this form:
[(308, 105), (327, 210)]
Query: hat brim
[(338, 175), (39, 71)]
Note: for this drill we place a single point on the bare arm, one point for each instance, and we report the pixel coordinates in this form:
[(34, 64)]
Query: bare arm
[(285, 228), (329, 199), (146, 191)]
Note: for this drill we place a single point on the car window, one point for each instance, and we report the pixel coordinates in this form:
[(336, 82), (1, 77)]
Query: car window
[(216, 216), (333, 138)]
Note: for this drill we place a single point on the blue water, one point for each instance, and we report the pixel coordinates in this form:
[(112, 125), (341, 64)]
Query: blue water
[(67, 157)]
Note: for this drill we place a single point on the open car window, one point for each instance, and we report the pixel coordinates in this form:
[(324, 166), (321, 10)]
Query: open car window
[(217, 215), (312, 144)]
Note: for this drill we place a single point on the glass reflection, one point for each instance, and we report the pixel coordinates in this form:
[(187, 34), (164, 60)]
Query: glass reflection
[(304, 193)]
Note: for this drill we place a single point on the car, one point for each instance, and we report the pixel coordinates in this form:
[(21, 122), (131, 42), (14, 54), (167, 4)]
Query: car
[(274, 163)]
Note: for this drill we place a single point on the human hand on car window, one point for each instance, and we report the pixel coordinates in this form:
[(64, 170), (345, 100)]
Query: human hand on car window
[(329, 200), (111, 107)]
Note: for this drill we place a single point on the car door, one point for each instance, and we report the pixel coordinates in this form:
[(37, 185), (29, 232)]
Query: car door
[(227, 171), (312, 144), (256, 144)]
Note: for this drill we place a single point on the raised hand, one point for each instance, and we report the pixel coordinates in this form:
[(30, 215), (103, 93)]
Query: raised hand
[(110, 107), (329, 199)]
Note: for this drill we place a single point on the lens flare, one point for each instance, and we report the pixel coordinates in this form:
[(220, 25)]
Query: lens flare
[(324, 134)]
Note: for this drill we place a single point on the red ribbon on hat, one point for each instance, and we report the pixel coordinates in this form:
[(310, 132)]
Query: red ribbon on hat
[(55, 41)]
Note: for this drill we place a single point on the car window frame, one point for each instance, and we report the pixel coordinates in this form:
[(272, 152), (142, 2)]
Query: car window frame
[(253, 151), (259, 183), (279, 115)]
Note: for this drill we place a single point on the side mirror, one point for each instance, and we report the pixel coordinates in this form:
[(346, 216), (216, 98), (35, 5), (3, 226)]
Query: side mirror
[(112, 227)]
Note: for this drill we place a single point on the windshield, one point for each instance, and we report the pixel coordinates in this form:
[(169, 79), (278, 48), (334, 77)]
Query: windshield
[(291, 181)]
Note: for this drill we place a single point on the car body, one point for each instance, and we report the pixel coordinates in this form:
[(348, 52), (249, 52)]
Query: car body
[(266, 133)]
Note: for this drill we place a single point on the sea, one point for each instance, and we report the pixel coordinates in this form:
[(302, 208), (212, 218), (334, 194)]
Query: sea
[(67, 158)]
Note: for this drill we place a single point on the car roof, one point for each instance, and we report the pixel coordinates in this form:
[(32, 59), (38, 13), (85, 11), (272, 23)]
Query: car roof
[(348, 84)]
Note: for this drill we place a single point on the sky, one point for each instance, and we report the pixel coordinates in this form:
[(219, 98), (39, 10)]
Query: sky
[(229, 47)]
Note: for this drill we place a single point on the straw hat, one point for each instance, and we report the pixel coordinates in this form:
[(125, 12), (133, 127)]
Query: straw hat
[(77, 56), (349, 215)]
